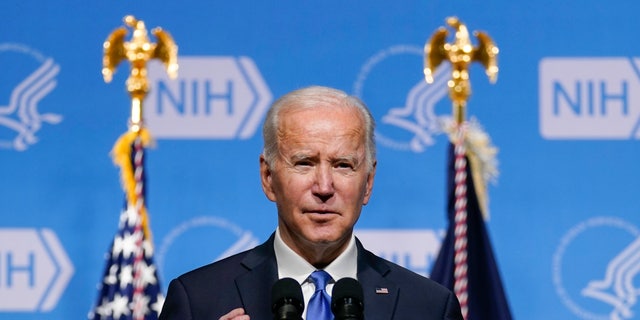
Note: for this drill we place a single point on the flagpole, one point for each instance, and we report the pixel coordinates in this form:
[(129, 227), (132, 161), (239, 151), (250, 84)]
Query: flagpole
[(138, 52), (128, 153), (460, 53)]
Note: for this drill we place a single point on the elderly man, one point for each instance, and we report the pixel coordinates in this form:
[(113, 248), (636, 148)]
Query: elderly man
[(318, 166)]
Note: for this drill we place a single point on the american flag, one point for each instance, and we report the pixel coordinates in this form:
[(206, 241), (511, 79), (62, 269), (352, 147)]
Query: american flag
[(130, 289)]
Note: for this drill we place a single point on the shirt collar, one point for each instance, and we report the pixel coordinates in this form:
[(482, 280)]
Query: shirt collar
[(291, 265)]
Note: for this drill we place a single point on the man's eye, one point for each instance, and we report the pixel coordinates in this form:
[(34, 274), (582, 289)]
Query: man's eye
[(303, 163), (344, 165)]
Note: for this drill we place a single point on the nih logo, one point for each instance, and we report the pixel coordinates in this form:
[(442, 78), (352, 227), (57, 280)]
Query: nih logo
[(34, 270), (416, 250), (589, 98), (212, 98)]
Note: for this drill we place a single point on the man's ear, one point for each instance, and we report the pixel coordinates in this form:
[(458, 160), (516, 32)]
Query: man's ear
[(266, 178), (369, 184)]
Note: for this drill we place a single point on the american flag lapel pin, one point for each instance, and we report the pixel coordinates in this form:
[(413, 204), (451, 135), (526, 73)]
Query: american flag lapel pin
[(380, 290)]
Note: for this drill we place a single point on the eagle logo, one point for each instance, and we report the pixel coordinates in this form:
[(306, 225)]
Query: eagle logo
[(413, 114), (20, 115), (617, 288), (229, 237), (600, 245)]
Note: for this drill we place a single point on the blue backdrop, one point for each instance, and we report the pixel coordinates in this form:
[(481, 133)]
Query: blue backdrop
[(565, 115)]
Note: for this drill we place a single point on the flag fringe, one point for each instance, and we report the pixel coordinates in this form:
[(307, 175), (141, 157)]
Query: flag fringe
[(482, 158), (121, 156)]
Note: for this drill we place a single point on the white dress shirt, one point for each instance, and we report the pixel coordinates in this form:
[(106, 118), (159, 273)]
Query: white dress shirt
[(291, 265)]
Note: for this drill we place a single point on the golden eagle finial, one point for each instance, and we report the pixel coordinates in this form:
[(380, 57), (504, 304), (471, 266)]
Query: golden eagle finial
[(139, 50), (460, 53)]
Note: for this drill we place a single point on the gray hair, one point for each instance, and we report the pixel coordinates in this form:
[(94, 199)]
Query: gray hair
[(307, 98)]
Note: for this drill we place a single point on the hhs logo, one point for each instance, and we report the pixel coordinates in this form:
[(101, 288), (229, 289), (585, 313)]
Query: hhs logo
[(213, 98), (409, 112), (184, 244), (589, 98), (596, 269), (27, 78), (617, 284)]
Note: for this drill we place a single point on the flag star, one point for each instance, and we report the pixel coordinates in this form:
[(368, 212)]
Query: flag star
[(117, 246), (128, 245), (122, 223), (112, 278), (147, 273), (147, 246), (141, 307), (157, 306), (126, 276), (132, 216), (104, 309), (120, 306)]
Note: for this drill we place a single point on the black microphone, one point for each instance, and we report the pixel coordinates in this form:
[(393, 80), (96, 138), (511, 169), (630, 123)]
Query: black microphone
[(287, 302), (347, 300)]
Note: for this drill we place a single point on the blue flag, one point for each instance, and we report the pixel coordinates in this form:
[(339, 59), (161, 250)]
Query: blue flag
[(130, 289), (486, 299)]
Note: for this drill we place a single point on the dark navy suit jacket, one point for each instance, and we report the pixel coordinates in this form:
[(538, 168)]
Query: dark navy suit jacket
[(245, 280)]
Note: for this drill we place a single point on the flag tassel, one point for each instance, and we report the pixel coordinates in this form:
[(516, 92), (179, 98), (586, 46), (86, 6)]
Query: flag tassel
[(130, 177)]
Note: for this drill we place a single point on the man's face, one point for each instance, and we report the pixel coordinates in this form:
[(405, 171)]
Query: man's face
[(320, 179)]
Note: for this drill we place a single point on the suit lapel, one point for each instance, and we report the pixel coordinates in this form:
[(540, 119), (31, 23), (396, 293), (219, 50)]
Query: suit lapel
[(254, 291), (380, 294)]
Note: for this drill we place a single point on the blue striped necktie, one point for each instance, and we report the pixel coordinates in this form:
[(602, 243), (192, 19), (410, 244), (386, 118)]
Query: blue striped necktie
[(319, 307)]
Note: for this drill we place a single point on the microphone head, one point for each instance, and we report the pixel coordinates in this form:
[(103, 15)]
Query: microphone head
[(286, 299), (347, 299)]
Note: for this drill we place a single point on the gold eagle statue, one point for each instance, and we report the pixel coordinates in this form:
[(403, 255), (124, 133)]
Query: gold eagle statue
[(138, 51), (460, 54)]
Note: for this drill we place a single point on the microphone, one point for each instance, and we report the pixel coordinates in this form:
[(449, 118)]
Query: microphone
[(286, 300), (347, 300)]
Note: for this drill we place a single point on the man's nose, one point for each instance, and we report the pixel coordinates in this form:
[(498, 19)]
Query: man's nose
[(323, 185)]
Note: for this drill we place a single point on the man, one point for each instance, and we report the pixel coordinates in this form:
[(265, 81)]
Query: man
[(318, 166)]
